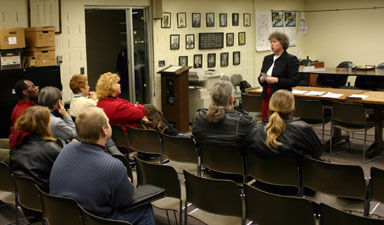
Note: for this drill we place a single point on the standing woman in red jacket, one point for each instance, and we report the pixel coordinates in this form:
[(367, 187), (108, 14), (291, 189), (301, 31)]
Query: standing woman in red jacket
[(280, 70), (119, 111)]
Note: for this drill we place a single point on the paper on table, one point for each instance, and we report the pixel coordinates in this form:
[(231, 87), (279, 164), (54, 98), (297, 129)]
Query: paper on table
[(298, 92), (314, 93), (332, 95), (358, 96), (260, 89), (172, 69)]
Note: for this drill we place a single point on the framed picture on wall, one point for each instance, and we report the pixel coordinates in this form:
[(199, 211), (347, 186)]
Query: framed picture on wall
[(211, 60), (198, 61), (224, 59), (196, 19), (223, 19), (190, 41), (235, 19), (175, 41), (183, 60), (181, 20), (247, 19), (241, 38), (44, 13), (236, 58), (230, 39), (166, 20), (210, 19)]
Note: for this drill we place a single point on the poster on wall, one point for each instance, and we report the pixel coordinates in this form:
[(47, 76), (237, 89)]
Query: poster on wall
[(290, 27), (263, 29), (303, 27)]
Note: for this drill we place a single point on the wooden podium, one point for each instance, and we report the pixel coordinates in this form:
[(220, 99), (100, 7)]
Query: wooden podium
[(174, 96)]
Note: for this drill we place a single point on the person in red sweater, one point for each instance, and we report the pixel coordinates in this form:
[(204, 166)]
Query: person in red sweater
[(26, 92), (119, 111)]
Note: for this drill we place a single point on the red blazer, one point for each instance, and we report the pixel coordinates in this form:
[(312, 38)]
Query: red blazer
[(121, 112)]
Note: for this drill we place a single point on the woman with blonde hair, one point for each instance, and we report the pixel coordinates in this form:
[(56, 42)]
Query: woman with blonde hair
[(118, 110), (33, 149), (220, 124), (279, 134)]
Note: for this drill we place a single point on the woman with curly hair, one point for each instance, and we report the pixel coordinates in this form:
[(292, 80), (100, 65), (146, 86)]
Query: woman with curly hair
[(33, 149), (119, 111)]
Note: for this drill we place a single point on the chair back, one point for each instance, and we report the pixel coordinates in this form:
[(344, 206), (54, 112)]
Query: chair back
[(29, 196), (4, 143), (90, 219), (125, 161), (335, 179), (309, 110), (7, 183), (119, 136), (305, 62), (251, 103), (59, 210), (159, 175), (368, 82), (380, 66), (224, 77), (335, 81), (236, 79), (213, 195), (377, 184), (181, 149), (283, 171), (222, 159), (147, 141), (269, 209), (341, 112), (332, 216)]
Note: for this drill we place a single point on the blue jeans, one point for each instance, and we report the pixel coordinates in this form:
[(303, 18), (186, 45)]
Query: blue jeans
[(139, 216)]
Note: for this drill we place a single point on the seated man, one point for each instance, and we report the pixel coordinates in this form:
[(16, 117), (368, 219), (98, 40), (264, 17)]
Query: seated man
[(63, 129), (26, 92), (220, 124), (98, 181), (82, 97)]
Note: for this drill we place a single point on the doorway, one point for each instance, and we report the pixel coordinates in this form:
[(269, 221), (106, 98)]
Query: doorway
[(114, 36)]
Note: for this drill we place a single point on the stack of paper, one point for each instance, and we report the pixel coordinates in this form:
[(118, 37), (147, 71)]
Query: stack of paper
[(358, 96), (298, 92), (314, 93), (332, 95)]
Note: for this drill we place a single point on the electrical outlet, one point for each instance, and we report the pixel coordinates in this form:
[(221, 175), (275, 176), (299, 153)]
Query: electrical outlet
[(59, 59), (81, 70)]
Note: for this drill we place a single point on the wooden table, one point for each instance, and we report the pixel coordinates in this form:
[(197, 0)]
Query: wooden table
[(375, 98)]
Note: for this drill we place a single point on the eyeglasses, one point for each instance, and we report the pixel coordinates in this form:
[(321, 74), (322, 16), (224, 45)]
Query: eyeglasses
[(33, 86)]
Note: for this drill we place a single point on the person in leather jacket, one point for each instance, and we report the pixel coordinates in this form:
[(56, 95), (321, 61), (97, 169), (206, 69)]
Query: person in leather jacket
[(33, 149), (279, 134), (220, 124)]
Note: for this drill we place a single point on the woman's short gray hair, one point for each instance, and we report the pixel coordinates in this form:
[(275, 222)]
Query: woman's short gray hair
[(49, 96)]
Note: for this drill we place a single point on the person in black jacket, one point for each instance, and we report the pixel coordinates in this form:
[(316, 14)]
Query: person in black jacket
[(33, 149), (280, 70), (220, 124), (280, 135)]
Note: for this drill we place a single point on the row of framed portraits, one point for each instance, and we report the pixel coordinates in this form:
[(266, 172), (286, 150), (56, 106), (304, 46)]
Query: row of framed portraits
[(211, 60), (209, 20), (190, 42)]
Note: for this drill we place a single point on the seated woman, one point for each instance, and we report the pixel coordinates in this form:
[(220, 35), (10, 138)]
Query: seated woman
[(220, 124), (118, 110), (33, 149), (156, 121), (61, 128), (279, 135), (82, 97)]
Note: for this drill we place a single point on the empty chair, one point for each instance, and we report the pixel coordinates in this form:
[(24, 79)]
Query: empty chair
[(381, 80), (252, 104), (335, 180), (332, 216), (311, 112), (222, 159), (281, 171), (224, 77), (343, 119), (4, 143), (8, 188), (269, 209), (59, 210), (120, 138), (29, 197), (332, 80), (376, 187), (144, 141), (368, 82), (236, 79), (90, 219), (125, 161), (218, 201), (165, 177), (182, 153)]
